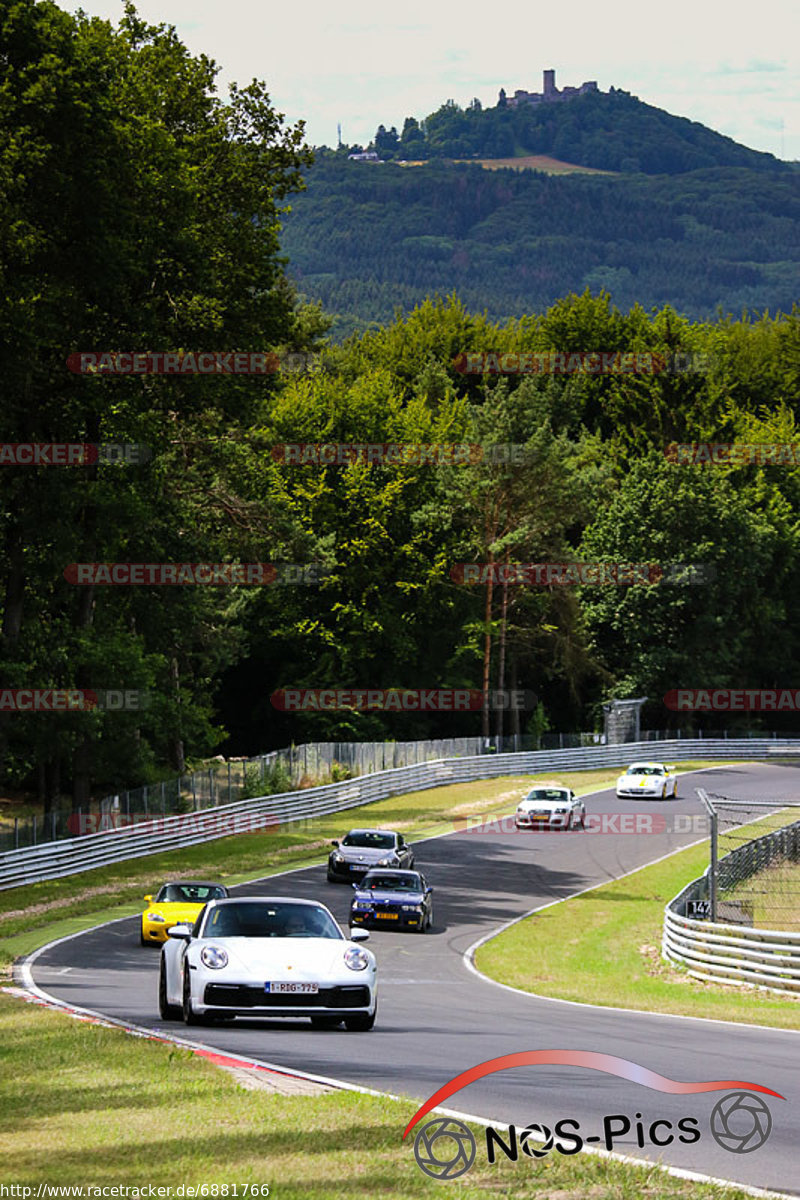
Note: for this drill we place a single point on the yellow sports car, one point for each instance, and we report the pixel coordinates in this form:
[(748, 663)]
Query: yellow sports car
[(176, 904)]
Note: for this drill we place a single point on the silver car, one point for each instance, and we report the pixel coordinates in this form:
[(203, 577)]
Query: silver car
[(362, 849)]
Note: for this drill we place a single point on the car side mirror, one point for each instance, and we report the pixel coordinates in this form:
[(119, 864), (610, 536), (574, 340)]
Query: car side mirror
[(428, 891), (334, 843), (148, 899), (359, 935), (181, 933), (354, 885)]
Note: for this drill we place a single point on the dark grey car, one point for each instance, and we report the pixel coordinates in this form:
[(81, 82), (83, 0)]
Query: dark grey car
[(362, 849)]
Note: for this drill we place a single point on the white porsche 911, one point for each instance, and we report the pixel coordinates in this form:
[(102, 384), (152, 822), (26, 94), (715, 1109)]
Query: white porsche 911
[(263, 956), (651, 779)]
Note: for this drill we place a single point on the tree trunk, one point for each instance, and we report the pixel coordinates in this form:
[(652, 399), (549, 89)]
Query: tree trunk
[(487, 649), (176, 744), (501, 666)]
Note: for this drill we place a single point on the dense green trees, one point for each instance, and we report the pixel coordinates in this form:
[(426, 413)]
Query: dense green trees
[(137, 212), (611, 131), (365, 239)]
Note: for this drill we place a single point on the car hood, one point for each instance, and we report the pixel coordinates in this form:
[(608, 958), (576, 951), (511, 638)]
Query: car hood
[(292, 958), (175, 911), (389, 896), (636, 780), (365, 854), (541, 805)]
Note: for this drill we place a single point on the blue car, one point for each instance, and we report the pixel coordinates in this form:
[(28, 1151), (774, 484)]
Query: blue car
[(394, 899)]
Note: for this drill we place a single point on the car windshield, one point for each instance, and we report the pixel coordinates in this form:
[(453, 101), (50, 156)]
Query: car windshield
[(190, 893), (392, 883), (643, 770), (546, 794), (368, 839), (261, 919)]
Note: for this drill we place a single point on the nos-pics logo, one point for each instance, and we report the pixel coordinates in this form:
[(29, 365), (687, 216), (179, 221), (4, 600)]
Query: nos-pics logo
[(445, 1148)]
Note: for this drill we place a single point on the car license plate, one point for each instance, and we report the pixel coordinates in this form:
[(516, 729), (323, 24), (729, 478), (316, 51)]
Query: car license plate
[(541, 816), (387, 916), (358, 866), (291, 989)]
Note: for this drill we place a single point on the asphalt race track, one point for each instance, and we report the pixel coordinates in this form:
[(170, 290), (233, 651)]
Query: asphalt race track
[(437, 1017)]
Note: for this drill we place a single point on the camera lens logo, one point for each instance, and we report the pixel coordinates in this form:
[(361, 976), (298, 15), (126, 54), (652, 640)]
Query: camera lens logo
[(444, 1149), (541, 1146), (740, 1122)]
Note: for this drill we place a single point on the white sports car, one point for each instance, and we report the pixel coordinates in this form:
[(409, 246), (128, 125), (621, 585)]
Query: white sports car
[(265, 956), (648, 779), (550, 808)]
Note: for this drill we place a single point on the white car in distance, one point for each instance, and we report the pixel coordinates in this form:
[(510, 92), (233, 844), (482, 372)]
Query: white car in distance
[(264, 956), (651, 779), (550, 808)]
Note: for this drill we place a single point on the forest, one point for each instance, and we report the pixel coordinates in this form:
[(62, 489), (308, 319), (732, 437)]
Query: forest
[(179, 208), (366, 240)]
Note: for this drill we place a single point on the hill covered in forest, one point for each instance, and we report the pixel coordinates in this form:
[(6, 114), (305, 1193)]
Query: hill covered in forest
[(367, 239), (611, 131)]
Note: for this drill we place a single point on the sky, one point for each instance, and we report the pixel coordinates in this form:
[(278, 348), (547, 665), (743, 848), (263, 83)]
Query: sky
[(732, 66)]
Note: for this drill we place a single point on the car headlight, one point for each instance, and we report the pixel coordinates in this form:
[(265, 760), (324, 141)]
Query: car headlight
[(157, 917), (356, 958), (336, 857), (390, 860), (362, 904), (561, 810), (214, 957)]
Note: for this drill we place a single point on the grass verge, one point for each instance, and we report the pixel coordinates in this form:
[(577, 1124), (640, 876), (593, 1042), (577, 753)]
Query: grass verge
[(604, 948), (86, 1105)]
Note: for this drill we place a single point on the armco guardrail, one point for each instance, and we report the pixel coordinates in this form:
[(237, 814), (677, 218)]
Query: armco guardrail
[(52, 860), (736, 953)]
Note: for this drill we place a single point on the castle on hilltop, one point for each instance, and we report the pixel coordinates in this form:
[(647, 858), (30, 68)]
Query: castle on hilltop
[(549, 94)]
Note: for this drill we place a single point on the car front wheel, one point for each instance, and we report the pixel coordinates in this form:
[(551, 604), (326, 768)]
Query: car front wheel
[(361, 1022), (169, 1012), (189, 1015)]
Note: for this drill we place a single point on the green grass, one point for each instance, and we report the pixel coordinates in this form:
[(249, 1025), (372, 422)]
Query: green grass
[(85, 1105), (604, 948), (773, 896)]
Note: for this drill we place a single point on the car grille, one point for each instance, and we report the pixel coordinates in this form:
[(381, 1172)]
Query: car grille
[(241, 995)]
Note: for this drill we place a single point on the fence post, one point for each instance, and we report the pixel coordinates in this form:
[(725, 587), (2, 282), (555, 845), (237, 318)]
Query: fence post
[(194, 793), (163, 799), (144, 789), (713, 863), (229, 781), (16, 833), (34, 829)]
